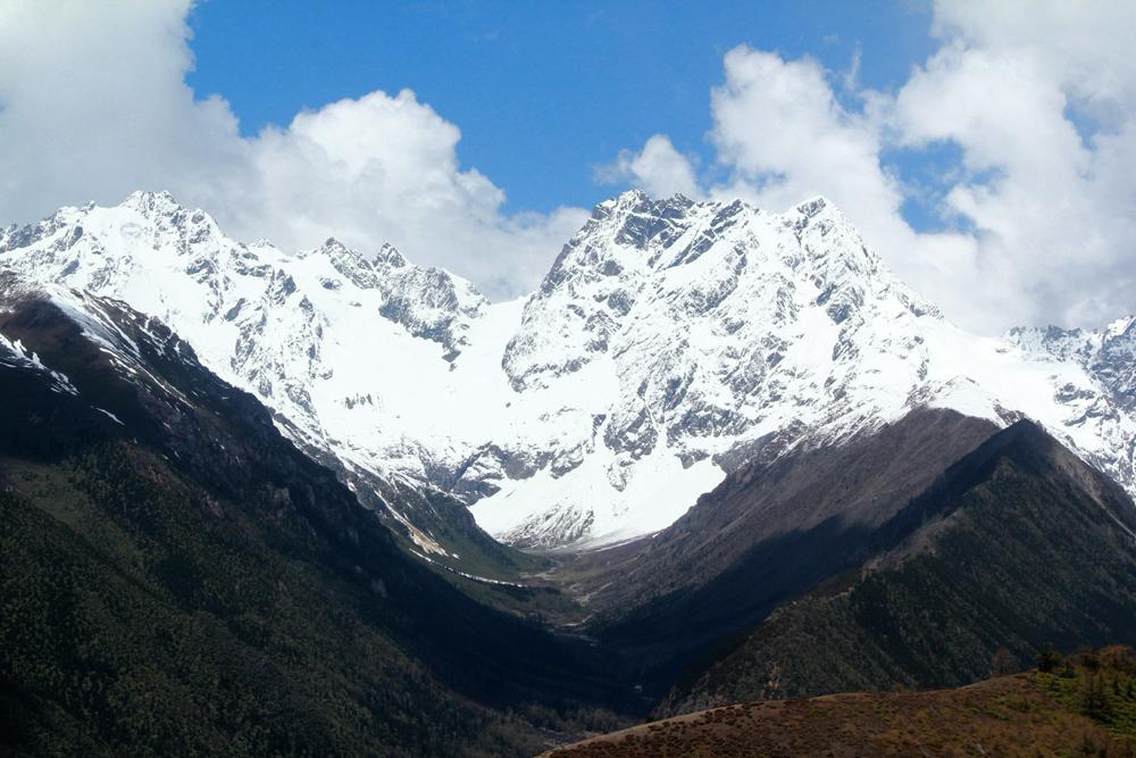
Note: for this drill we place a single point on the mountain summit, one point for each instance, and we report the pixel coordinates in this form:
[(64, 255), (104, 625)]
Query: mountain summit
[(670, 342)]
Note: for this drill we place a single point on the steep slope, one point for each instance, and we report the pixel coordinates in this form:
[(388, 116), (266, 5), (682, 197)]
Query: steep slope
[(1018, 545), (670, 342), (175, 576), (773, 528)]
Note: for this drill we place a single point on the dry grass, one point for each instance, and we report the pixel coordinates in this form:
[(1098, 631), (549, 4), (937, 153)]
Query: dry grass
[(1022, 715)]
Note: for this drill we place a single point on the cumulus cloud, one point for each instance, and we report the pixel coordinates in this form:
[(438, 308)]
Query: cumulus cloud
[(780, 128), (658, 169), (386, 168), (1039, 99), (784, 135), (94, 105)]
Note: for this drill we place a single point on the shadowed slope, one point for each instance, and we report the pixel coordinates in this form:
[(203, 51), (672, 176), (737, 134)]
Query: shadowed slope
[(1018, 545), (768, 534), (174, 575)]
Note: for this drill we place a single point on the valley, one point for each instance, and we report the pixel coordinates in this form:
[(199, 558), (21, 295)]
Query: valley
[(506, 379), (720, 456)]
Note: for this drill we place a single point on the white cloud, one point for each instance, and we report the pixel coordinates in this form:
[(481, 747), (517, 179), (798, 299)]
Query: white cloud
[(1038, 97), (1081, 44), (1040, 100), (386, 168), (779, 127), (784, 135), (1051, 209), (658, 169), (94, 105)]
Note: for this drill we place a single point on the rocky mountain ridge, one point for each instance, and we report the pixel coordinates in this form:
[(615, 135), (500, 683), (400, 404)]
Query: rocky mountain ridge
[(671, 342)]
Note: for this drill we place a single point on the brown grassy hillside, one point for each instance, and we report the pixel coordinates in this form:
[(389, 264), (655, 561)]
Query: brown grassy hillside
[(1083, 706)]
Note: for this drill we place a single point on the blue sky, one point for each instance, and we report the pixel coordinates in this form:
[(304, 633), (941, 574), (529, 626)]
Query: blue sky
[(987, 151), (542, 91)]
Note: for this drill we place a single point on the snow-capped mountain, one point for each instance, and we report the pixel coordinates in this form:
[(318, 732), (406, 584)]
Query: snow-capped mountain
[(1108, 354), (670, 341), (717, 332), (337, 344)]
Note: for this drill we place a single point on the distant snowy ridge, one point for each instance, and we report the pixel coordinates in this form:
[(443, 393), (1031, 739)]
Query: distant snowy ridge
[(1108, 354), (670, 341)]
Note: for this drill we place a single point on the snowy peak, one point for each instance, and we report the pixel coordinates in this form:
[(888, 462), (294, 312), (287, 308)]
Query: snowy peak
[(350, 263), (637, 219), (389, 256), (671, 341), (1121, 327), (694, 259), (725, 332), (429, 302), (104, 248), (814, 206), (714, 325), (633, 220), (152, 204), (260, 318)]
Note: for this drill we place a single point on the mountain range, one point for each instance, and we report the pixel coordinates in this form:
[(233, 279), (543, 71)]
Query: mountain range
[(332, 498), (669, 342)]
